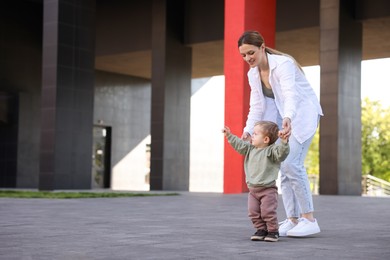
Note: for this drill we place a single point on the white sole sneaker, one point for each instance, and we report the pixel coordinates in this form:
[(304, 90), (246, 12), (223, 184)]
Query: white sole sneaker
[(285, 226), (304, 228)]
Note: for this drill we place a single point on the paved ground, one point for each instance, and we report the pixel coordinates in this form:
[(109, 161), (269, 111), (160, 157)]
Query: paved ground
[(188, 226)]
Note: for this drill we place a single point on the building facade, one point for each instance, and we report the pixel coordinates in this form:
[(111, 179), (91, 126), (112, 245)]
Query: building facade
[(84, 84)]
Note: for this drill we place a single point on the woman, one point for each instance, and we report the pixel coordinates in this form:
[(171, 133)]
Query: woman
[(281, 93)]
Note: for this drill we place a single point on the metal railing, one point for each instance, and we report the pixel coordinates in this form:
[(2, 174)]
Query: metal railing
[(314, 183), (373, 186)]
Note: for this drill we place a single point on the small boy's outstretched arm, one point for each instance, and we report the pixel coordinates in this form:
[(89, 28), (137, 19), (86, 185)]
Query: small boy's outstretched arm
[(239, 145)]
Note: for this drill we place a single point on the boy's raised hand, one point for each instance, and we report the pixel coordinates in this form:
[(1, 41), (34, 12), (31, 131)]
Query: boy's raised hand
[(283, 137), (226, 130)]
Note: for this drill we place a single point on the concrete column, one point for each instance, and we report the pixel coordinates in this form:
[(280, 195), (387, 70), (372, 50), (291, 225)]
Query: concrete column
[(340, 128), (171, 96), (67, 94), (240, 16)]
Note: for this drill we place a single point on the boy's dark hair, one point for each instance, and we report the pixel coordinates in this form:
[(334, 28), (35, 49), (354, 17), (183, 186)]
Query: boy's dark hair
[(269, 129)]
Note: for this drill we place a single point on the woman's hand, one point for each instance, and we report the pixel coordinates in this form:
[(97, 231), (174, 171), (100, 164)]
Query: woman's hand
[(286, 127), (246, 137)]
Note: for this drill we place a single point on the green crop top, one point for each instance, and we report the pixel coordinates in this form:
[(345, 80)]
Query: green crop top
[(267, 92)]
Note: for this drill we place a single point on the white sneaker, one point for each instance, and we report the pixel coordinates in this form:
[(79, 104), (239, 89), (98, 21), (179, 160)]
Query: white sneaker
[(285, 226), (304, 228)]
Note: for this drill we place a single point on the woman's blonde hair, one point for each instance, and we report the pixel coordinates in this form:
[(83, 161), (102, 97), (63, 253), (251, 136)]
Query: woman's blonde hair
[(256, 39)]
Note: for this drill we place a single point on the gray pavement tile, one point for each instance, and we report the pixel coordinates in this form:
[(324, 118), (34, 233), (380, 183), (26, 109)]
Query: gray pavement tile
[(188, 226)]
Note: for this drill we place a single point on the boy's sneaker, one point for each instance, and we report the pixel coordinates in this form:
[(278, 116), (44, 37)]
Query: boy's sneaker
[(304, 228), (272, 237), (285, 226), (259, 235)]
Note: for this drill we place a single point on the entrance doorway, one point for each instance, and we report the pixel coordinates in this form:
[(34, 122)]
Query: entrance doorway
[(101, 157)]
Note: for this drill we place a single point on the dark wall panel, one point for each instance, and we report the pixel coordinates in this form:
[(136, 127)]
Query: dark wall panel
[(204, 22), (8, 139), (123, 26)]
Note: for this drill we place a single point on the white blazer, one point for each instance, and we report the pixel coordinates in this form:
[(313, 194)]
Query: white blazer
[(294, 98)]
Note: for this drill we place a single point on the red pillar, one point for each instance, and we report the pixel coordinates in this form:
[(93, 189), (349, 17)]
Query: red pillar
[(241, 15)]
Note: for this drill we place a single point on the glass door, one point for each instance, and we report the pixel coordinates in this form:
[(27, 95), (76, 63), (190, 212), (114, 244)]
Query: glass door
[(101, 158)]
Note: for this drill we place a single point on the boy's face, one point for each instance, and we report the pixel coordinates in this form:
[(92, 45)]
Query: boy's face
[(258, 138)]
